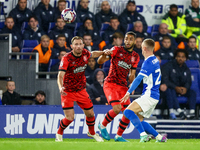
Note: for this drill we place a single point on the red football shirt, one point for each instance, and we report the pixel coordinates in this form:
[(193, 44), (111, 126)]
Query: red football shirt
[(74, 79), (121, 62)]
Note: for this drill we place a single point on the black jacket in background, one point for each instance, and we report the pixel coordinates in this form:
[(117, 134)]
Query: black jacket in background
[(56, 50), (159, 37), (173, 75), (11, 99), (16, 36), (53, 34), (126, 18), (96, 90), (102, 17), (30, 34), (20, 16), (44, 16), (193, 55), (166, 53)]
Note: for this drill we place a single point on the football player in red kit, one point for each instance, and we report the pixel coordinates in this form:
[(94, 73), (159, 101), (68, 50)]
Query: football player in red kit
[(124, 61), (72, 85)]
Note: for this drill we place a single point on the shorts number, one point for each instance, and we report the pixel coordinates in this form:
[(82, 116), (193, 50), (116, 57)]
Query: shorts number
[(158, 79)]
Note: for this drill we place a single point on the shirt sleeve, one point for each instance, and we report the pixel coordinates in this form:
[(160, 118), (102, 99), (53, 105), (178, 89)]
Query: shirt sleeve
[(147, 68), (136, 60), (114, 51), (63, 64)]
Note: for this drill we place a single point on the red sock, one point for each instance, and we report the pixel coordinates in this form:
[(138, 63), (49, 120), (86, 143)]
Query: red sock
[(90, 121), (122, 125), (63, 125), (109, 117)]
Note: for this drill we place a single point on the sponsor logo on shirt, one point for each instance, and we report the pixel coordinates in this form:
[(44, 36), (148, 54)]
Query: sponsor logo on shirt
[(124, 65), (80, 69)]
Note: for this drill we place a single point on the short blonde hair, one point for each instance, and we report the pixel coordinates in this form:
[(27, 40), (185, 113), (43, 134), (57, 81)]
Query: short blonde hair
[(45, 37), (149, 43), (76, 38)]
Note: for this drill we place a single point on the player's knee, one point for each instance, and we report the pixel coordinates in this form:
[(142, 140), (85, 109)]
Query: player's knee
[(70, 117), (117, 109)]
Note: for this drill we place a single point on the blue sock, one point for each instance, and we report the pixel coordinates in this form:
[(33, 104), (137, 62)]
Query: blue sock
[(134, 120), (149, 129)]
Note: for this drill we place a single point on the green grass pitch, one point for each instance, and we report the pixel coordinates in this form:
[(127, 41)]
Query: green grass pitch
[(90, 144)]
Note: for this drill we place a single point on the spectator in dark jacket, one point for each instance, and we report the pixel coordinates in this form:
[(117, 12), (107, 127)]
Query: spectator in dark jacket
[(83, 13), (20, 13), (16, 36), (177, 82), (40, 97), (114, 27), (130, 15), (59, 46), (194, 53), (95, 90), (117, 40), (33, 31), (60, 28), (89, 71), (138, 47), (45, 14), (10, 97), (138, 29), (104, 15), (88, 28), (166, 52), (163, 31), (61, 6), (56, 66), (88, 44)]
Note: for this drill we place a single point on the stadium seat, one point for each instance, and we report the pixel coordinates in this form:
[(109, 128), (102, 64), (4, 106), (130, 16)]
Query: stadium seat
[(192, 63), (104, 26), (2, 25), (52, 62), (24, 26), (77, 26), (129, 27), (153, 33), (149, 29), (26, 50), (106, 66), (29, 43), (155, 28), (51, 26)]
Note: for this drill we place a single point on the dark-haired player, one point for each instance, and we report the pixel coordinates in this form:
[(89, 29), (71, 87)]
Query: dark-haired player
[(124, 61), (72, 83)]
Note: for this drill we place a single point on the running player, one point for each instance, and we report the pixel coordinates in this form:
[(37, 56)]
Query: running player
[(123, 61), (143, 106), (72, 83)]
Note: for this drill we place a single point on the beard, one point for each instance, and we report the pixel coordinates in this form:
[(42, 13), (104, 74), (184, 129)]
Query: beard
[(132, 46)]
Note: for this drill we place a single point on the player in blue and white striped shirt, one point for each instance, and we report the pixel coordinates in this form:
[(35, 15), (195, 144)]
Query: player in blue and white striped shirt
[(143, 106)]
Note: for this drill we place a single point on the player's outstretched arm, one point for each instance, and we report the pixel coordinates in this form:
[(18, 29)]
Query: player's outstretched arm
[(96, 54), (134, 85), (60, 82), (105, 57), (131, 75)]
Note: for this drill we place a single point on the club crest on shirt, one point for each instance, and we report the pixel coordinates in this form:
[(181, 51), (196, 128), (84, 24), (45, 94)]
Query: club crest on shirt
[(132, 59), (85, 58)]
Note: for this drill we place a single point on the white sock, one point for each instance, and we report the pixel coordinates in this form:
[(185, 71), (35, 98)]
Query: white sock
[(102, 126), (192, 111), (117, 136), (179, 110), (171, 110), (158, 137), (143, 133)]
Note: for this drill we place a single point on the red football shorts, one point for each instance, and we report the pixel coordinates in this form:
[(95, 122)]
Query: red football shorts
[(81, 97), (114, 93)]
